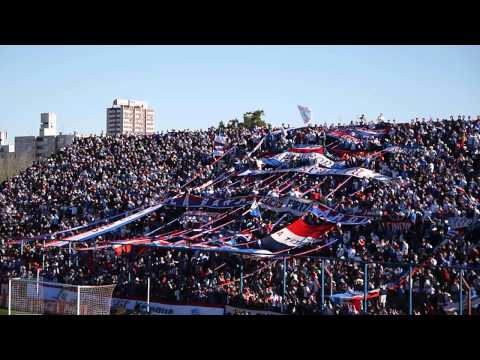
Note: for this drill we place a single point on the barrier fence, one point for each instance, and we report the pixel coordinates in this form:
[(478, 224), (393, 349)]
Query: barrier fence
[(345, 286), (323, 286)]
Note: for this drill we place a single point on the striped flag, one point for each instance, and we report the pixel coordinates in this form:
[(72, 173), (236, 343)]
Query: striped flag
[(219, 145), (297, 234)]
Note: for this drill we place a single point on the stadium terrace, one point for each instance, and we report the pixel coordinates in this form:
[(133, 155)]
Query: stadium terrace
[(373, 217)]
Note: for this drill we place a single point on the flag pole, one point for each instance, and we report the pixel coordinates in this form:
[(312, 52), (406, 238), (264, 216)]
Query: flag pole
[(461, 293), (148, 295), (365, 288), (410, 290), (284, 302), (241, 280), (323, 286)]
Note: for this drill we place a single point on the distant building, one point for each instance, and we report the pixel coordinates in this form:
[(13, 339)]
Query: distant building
[(130, 117), (4, 146), (48, 124), (29, 149), (47, 143)]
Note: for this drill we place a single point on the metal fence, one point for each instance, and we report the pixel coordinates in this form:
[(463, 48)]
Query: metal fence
[(326, 285)]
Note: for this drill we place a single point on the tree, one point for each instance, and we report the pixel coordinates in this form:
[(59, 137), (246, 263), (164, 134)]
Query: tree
[(234, 123), (250, 121), (253, 119)]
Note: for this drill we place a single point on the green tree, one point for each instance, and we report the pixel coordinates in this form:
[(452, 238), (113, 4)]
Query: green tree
[(234, 123), (255, 118), (221, 125)]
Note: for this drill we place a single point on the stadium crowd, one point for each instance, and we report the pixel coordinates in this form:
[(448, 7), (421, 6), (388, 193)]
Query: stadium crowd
[(435, 178)]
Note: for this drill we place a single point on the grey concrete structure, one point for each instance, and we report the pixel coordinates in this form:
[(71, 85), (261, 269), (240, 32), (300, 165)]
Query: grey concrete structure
[(29, 149)]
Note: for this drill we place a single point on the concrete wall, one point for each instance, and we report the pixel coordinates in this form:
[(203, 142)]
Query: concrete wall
[(25, 144), (11, 165)]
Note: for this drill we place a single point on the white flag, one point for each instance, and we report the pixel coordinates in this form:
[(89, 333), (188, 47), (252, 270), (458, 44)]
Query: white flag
[(306, 113)]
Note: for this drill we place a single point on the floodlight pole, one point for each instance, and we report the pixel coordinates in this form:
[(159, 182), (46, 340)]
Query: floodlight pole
[(410, 290), (38, 280), (461, 293), (241, 280), (9, 296), (284, 293), (43, 255), (323, 286), (365, 288), (78, 300), (148, 295), (69, 253)]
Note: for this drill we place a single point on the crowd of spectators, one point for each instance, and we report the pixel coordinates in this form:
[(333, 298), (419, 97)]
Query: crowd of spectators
[(435, 178)]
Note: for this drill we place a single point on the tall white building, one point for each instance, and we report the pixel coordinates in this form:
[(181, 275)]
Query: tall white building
[(4, 146), (48, 124), (130, 117), (3, 138)]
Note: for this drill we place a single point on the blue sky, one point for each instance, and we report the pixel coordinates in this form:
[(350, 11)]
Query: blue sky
[(197, 86)]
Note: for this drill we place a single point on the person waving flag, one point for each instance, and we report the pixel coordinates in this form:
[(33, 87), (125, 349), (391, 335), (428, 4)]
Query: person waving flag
[(306, 113), (255, 209)]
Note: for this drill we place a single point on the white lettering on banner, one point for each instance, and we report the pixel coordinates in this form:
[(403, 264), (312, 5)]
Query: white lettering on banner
[(166, 309), (195, 202), (398, 226), (285, 157), (288, 238), (299, 207), (292, 205)]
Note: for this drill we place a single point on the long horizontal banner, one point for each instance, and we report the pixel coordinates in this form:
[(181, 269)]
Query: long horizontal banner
[(343, 135), (398, 226), (369, 133), (298, 207), (331, 215), (307, 149), (290, 204), (192, 201), (203, 247), (105, 228), (357, 172), (286, 157), (157, 308), (58, 233), (461, 222)]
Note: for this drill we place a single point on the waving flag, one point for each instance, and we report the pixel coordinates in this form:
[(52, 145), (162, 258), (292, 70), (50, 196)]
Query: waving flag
[(354, 297), (255, 210), (297, 234), (219, 145), (306, 113)]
